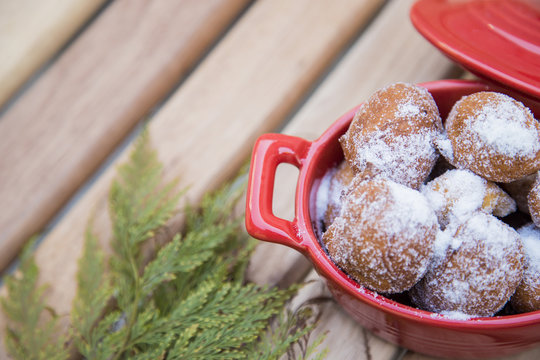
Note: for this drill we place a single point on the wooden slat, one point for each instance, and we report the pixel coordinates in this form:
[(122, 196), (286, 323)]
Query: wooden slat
[(63, 127), (381, 56), (246, 86), (31, 32), (344, 339)]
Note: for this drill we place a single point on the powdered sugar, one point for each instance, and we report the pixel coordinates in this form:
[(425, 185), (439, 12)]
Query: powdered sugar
[(479, 274), (407, 109), (445, 242), (399, 158), (530, 235), (444, 145), (494, 136), (399, 212), (527, 296), (453, 315), (383, 235), (407, 199), (393, 135), (323, 194), (455, 194), (503, 126)]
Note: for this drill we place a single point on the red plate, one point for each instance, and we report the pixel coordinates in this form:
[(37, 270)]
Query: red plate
[(495, 39)]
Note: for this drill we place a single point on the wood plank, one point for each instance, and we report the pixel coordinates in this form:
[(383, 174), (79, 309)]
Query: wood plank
[(32, 32), (380, 56), (344, 339), (63, 127), (246, 86)]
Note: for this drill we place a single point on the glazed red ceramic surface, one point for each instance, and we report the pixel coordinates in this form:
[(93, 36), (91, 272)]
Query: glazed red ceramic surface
[(498, 40), (415, 329)]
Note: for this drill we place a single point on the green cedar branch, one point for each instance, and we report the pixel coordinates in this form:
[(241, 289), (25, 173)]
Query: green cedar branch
[(191, 300), (32, 325)]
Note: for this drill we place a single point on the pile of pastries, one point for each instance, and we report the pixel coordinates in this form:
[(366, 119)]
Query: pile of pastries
[(447, 214)]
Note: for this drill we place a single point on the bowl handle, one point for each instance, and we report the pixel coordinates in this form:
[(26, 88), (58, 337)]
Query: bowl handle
[(269, 151)]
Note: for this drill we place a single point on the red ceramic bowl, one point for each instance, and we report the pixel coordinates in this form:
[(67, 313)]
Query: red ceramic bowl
[(415, 329)]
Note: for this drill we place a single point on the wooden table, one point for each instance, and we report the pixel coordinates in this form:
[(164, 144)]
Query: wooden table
[(78, 77)]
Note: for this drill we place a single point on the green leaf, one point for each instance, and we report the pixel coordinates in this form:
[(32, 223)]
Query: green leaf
[(290, 335), (32, 325), (138, 202), (190, 299), (93, 293)]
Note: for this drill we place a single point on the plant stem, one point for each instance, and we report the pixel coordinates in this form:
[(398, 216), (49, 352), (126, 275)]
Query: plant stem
[(135, 308)]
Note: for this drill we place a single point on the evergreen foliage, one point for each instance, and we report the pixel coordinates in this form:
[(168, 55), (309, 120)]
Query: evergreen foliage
[(34, 325), (190, 301)]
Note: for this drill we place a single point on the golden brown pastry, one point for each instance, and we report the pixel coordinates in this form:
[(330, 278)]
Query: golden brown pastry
[(519, 190), (533, 202), (492, 135), (386, 235), (383, 237), (393, 135), (476, 268), (497, 202), (458, 193), (338, 183), (527, 295)]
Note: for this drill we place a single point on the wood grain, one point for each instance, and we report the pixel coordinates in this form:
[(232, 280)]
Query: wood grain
[(246, 86), (32, 32), (344, 339), (64, 126), (379, 57)]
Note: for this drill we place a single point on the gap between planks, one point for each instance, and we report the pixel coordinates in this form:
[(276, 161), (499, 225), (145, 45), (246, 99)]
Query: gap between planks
[(32, 32), (246, 86)]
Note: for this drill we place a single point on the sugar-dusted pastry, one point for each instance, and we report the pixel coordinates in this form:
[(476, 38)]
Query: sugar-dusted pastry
[(338, 182), (519, 190), (527, 295), (476, 268), (493, 135), (383, 236), (533, 202), (458, 193), (393, 134)]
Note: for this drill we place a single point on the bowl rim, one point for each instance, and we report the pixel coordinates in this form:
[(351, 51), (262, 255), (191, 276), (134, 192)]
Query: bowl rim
[(324, 265)]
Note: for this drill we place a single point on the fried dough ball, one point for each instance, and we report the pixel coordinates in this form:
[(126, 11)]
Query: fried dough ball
[(519, 190), (492, 135), (458, 193), (533, 202), (476, 268), (339, 181), (383, 236), (393, 135), (527, 295), (497, 202)]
